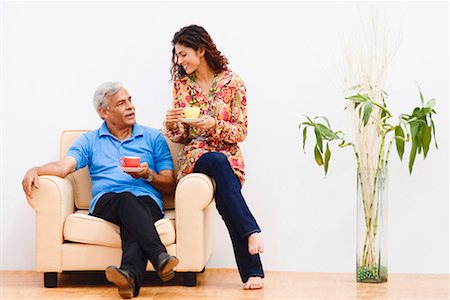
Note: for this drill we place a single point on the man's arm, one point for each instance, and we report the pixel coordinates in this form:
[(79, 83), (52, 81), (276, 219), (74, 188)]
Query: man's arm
[(164, 181), (60, 168)]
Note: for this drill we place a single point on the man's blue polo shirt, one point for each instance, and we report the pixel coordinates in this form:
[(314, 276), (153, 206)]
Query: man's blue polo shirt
[(101, 151)]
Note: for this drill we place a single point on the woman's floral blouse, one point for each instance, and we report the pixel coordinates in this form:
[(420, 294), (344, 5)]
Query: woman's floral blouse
[(227, 103)]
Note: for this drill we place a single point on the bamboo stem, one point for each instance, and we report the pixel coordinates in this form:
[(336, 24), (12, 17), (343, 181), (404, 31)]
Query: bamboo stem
[(388, 152), (371, 229)]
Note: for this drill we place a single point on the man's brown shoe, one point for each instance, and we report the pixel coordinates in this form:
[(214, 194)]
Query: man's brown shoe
[(122, 279), (166, 263)]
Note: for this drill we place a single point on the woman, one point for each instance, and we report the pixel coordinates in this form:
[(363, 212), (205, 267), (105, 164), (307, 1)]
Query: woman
[(201, 78)]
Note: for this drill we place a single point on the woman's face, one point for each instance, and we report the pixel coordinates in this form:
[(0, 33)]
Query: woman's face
[(189, 58)]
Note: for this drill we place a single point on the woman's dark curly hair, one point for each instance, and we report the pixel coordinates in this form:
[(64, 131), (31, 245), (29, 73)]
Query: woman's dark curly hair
[(196, 37)]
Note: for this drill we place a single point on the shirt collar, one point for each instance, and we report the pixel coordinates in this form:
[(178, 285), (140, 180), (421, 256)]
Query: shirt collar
[(137, 130), (224, 80)]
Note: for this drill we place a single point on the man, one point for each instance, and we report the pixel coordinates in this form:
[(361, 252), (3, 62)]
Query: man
[(132, 200)]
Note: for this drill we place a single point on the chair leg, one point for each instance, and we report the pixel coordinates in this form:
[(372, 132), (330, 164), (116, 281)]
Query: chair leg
[(50, 279), (190, 279)]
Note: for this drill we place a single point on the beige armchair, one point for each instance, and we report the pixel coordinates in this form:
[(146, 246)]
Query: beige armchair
[(68, 239)]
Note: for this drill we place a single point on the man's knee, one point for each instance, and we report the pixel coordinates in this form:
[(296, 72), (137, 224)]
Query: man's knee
[(127, 199)]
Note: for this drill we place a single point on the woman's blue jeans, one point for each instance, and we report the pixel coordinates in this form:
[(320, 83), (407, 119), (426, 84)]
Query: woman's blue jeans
[(234, 211)]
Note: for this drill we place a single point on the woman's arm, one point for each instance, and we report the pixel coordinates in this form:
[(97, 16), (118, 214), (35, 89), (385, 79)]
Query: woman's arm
[(235, 130), (173, 128)]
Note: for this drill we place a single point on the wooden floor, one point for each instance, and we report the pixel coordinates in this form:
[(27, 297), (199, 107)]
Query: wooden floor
[(225, 284)]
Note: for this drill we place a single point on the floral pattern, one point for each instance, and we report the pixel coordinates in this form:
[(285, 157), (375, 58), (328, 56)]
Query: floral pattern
[(226, 103)]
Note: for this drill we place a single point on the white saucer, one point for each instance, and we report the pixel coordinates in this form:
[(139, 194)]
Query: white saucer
[(190, 121), (131, 169)]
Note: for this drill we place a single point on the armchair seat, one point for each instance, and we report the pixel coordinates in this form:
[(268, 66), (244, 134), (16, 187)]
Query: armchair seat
[(79, 227), (69, 239)]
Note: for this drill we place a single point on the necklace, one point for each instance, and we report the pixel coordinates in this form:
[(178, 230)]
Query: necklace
[(209, 96), (213, 85)]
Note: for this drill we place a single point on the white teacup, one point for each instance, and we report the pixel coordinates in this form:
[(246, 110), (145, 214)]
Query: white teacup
[(191, 112)]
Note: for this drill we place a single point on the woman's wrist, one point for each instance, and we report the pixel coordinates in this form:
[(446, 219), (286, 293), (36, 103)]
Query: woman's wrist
[(212, 130), (213, 123), (168, 127)]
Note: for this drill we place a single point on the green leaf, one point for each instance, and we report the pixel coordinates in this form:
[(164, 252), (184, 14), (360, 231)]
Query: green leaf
[(400, 143), (431, 103), (419, 147), (412, 156), (423, 112), (326, 120), (319, 139), (414, 129), (426, 139), (357, 98), (318, 156), (415, 111), (421, 96), (434, 133), (327, 159), (326, 132), (383, 113), (367, 112), (304, 138), (419, 141), (384, 110), (359, 107)]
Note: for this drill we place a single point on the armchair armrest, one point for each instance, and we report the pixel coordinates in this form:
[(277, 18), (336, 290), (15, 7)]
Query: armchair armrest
[(194, 197), (52, 202)]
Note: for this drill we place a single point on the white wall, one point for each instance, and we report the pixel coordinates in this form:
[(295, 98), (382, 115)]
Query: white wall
[(55, 55)]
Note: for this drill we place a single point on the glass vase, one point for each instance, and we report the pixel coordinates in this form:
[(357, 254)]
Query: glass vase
[(371, 254)]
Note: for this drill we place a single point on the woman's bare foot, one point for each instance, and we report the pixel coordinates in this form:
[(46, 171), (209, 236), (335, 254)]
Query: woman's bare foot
[(254, 283), (255, 244)]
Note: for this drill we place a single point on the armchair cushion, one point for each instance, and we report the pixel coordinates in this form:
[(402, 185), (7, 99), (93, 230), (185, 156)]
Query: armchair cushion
[(83, 228)]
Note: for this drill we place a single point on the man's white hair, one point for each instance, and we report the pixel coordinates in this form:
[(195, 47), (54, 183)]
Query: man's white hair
[(103, 91)]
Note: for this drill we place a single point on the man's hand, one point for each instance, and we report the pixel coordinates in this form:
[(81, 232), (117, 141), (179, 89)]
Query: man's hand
[(31, 178), (164, 181), (141, 174)]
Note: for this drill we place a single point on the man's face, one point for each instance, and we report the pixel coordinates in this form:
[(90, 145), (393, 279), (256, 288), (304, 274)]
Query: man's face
[(120, 111)]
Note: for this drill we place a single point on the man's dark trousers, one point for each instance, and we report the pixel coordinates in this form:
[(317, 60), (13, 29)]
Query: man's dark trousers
[(136, 217)]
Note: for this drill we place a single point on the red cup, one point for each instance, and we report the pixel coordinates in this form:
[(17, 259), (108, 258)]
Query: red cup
[(130, 161)]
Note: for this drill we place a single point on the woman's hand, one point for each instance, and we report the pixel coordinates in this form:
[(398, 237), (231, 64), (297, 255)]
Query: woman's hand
[(173, 117), (206, 123)]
